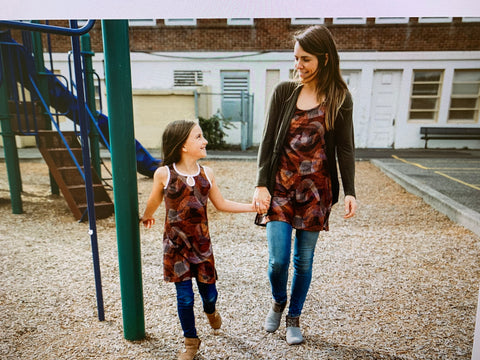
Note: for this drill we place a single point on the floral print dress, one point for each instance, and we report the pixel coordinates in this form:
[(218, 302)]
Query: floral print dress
[(187, 249), (302, 195)]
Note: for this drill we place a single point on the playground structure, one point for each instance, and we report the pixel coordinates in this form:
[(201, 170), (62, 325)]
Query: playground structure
[(28, 92), (33, 91)]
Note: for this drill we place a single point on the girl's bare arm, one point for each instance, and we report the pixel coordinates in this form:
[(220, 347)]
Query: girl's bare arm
[(220, 202), (156, 196)]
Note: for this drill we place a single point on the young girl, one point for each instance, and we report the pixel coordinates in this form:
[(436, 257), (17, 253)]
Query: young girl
[(186, 187)]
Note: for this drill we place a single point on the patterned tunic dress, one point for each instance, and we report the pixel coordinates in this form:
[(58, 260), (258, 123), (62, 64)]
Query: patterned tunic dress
[(187, 249), (303, 194)]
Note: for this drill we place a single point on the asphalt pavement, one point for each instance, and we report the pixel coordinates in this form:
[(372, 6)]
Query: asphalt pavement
[(447, 179)]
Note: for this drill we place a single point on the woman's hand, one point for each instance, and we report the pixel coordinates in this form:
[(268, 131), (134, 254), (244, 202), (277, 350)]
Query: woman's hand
[(350, 206), (261, 199)]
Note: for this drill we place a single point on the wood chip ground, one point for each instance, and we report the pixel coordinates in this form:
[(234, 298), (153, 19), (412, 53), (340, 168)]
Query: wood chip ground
[(399, 281)]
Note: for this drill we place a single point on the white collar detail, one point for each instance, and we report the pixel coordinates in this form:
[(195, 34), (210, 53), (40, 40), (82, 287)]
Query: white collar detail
[(190, 178)]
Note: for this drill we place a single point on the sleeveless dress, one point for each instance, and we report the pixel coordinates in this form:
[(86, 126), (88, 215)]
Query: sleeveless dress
[(302, 195), (187, 249)]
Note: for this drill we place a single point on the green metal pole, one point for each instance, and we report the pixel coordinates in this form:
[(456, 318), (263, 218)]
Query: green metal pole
[(10, 147), (43, 87), (90, 93), (40, 64), (122, 141)]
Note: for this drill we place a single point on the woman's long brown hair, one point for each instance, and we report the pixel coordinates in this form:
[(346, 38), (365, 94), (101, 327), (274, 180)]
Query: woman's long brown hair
[(318, 41)]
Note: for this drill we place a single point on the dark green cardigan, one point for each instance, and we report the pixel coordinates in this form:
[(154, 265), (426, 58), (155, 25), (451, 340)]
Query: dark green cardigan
[(339, 141)]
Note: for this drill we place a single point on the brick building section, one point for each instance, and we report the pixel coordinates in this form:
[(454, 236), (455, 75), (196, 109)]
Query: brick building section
[(276, 35)]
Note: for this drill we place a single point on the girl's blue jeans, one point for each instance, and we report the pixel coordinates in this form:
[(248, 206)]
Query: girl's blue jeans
[(279, 236), (185, 300)]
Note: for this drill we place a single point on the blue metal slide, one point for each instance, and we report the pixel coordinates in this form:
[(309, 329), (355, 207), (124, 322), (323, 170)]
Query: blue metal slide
[(65, 102)]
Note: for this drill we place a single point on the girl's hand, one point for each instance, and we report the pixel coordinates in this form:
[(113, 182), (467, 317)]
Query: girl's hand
[(350, 206), (148, 223), (261, 199)]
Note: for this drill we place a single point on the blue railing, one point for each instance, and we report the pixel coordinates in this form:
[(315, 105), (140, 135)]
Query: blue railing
[(51, 29), (74, 31), (35, 94), (31, 124), (57, 127)]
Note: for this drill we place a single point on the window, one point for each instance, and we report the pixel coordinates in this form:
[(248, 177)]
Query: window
[(471, 19), (187, 78), (425, 96), (142, 22), (349, 20), (181, 22), (240, 21), (307, 21), (434, 19), (391, 20), (131, 22), (464, 101), (98, 96)]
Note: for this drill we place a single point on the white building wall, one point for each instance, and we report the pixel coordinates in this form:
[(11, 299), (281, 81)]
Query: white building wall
[(155, 71)]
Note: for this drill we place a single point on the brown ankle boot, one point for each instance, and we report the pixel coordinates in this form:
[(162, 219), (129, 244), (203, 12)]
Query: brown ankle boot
[(215, 320), (272, 321), (294, 333), (191, 347)]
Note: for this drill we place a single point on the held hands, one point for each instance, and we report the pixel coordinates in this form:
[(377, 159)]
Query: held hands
[(147, 222), (261, 200), (350, 206)]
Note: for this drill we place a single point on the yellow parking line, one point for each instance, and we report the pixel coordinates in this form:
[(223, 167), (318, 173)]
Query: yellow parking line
[(441, 173), (409, 162), (433, 168), (458, 180), (458, 169)]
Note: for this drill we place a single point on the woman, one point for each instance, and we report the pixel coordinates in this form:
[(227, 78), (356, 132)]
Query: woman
[(308, 125)]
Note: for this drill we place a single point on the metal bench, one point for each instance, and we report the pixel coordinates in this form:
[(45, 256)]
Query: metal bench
[(449, 133)]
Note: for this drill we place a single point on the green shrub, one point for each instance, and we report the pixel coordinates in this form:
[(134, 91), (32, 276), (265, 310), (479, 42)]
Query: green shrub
[(213, 130)]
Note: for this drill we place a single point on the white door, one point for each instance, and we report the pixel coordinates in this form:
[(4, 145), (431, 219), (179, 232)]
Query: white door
[(272, 80), (352, 79), (383, 110), (236, 105), (234, 84)]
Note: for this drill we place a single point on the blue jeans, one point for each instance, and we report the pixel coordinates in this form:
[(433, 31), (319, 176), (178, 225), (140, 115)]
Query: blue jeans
[(279, 236), (185, 300)]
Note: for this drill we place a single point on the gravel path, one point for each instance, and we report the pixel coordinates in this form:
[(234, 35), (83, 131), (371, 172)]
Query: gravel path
[(398, 281)]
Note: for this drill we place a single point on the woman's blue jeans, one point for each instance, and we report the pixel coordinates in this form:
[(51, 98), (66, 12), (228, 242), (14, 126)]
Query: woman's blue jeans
[(185, 300), (279, 236)]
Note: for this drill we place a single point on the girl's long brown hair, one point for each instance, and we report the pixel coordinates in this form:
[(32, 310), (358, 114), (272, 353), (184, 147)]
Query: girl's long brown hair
[(317, 40), (173, 138)]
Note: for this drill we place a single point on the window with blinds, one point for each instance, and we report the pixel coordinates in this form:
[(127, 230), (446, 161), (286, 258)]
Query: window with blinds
[(433, 19), (465, 97), (425, 97), (240, 21), (350, 20), (181, 22), (307, 21), (391, 20)]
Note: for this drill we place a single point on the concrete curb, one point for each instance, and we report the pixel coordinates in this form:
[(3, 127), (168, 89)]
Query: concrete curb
[(454, 210)]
